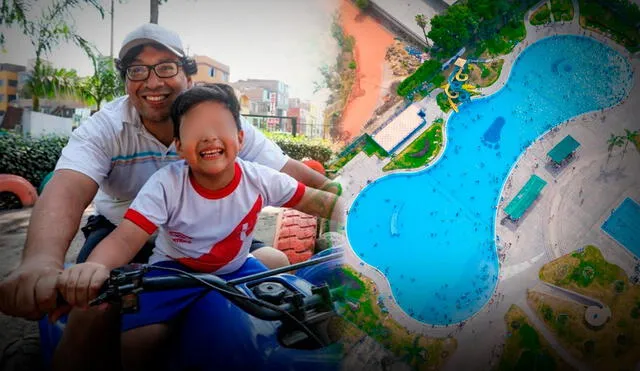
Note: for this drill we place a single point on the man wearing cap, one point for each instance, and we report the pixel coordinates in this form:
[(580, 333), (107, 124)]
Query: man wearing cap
[(107, 160)]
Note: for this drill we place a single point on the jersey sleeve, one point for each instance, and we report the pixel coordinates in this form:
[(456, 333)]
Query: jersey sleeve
[(278, 189), (90, 149), (150, 208), (260, 149)]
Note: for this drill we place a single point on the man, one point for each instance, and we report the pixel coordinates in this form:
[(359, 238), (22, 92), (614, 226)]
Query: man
[(110, 157)]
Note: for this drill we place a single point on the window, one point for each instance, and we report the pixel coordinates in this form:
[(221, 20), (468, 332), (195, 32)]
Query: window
[(1, 82), (212, 72), (225, 77), (1, 97), (13, 83), (11, 97)]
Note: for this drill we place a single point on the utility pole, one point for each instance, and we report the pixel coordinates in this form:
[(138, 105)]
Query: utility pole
[(111, 40)]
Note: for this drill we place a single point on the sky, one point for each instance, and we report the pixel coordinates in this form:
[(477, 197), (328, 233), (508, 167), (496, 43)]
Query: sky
[(286, 40)]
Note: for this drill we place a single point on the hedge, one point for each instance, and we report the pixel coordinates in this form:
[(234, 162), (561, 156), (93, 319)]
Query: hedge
[(423, 74), (300, 147), (34, 158), (30, 158)]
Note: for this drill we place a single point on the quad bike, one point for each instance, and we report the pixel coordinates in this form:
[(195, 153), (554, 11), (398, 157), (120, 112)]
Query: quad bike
[(266, 321)]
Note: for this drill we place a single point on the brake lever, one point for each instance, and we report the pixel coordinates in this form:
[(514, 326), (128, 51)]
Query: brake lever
[(121, 282)]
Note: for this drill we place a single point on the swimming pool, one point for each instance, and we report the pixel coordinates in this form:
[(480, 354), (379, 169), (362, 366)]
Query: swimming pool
[(432, 232), (624, 225)]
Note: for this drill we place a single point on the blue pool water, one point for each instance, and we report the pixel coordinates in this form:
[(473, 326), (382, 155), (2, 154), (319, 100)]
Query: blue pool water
[(432, 232), (624, 225)]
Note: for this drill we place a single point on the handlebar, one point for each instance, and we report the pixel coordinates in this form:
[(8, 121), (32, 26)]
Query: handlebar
[(125, 282)]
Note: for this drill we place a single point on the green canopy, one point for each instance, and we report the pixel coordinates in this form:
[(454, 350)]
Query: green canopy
[(563, 149), (525, 197)]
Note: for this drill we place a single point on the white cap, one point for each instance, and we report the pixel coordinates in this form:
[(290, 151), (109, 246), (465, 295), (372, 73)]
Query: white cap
[(151, 33)]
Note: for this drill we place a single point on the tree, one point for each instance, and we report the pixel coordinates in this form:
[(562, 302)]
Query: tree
[(454, 29), (422, 23), (45, 33), (44, 81), (155, 4), (15, 13), (629, 137), (414, 355), (104, 85), (613, 141)]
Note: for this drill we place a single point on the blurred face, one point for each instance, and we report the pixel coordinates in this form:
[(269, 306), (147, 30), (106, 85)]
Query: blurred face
[(153, 97), (209, 140)]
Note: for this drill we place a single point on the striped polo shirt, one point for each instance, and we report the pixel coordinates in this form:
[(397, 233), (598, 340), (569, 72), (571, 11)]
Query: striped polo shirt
[(115, 150)]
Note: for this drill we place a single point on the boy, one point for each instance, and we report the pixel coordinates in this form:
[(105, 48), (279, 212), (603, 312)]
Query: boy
[(206, 208)]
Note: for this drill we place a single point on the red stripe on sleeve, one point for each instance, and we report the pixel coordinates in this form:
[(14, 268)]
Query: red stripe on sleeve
[(140, 220), (297, 196)]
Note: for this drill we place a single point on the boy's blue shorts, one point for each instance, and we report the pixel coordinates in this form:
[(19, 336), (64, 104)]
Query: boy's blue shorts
[(163, 306)]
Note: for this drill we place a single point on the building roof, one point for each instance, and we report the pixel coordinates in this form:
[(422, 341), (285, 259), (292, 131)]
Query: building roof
[(525, 197), (12, 67), (563, 149)]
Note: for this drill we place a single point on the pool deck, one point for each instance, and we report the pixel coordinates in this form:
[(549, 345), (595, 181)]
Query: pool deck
[(566, 216)]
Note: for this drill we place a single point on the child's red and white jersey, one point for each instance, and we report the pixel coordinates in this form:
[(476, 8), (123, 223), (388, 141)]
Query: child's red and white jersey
[(209, 231)]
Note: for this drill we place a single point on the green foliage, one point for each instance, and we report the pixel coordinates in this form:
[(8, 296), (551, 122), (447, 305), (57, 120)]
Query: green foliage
[(635, 311), (485, 71), (541, 16), (562, 10), (363, 143), (30, 158), (547, 313), (423, 75), (421, 151), (352, 65), (618, 286), (362, 4), (104, 85), (44, 81), (616, 17), (529, 337), (535, 361), (453, 29), (443, 102), (300, 147)]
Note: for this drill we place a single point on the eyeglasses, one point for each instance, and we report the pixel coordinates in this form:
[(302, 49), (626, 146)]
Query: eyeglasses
[(141, 72)]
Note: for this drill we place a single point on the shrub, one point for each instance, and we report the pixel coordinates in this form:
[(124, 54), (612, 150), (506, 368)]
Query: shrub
[(362, 4), (423, 74), (299, 147), (443, 102), (352, 65), (30, 158)]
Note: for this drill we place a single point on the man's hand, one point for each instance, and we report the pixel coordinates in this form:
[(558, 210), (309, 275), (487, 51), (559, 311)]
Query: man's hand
[(30, 290), (81, 283)]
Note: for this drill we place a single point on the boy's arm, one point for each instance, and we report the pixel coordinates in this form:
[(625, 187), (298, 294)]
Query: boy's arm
[(322, 204), (81, 283), (120, 246)]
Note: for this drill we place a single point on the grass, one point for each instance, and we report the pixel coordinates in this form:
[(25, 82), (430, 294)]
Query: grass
[(415, 155), (524, 348), (586, 272), (368, 145), (618, 341), (370, 319), (541, 16), (562, 10), (485, 74), (596, 17)]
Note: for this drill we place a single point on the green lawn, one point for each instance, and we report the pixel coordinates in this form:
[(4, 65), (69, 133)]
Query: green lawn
[(541, 16), (443, 102), (416, 155), (621, 26), (524, 348), (562, 10)]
